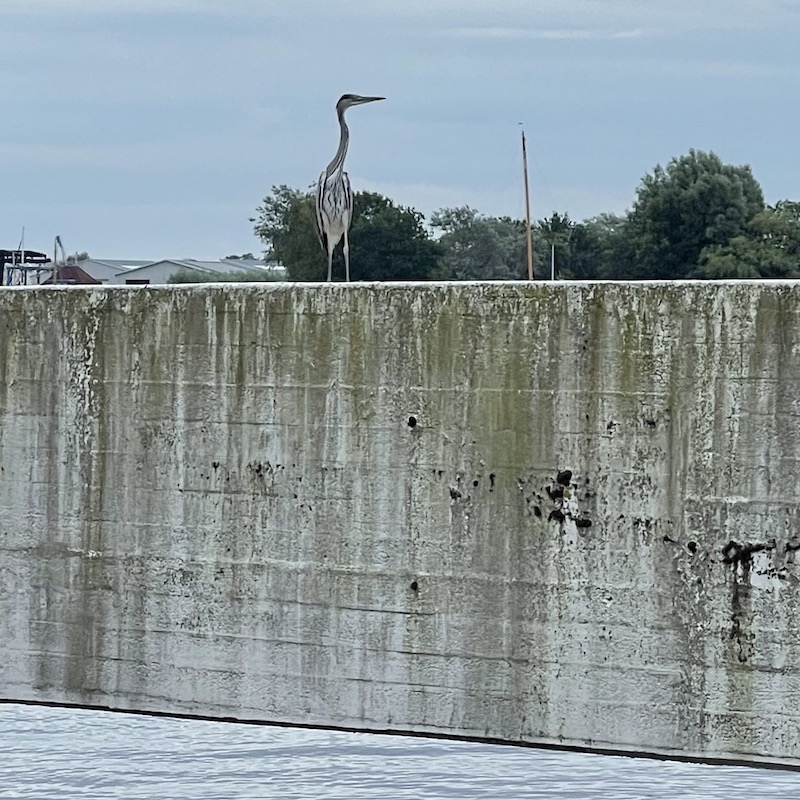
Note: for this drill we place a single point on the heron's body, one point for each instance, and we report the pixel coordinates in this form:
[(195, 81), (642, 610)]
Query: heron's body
[(334, 214), (334, 196)]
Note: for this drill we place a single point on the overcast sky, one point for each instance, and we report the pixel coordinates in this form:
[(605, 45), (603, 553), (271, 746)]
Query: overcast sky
[(153, 128)]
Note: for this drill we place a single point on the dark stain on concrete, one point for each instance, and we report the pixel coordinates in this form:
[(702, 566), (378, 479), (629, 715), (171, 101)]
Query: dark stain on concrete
[(555, 492), (740, 557), (735, 553)]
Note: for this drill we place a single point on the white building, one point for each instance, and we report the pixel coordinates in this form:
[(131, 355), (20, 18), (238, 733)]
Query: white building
[(133, 273), (106, 270)]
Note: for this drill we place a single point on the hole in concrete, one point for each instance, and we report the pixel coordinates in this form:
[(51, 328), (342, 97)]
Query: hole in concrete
[(564, 477), (412, 422), (537, 512), (554, 493), (414, 586), (692, 547)]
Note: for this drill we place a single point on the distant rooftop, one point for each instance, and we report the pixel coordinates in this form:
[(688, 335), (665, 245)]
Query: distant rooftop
[(71, 274), (117, 263)]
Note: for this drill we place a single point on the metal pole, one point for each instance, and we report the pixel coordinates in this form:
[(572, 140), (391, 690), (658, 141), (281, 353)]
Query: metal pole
[(552, 261), (529, 236)]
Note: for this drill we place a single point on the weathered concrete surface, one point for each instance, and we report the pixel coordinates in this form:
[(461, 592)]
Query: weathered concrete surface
[(340, 506)]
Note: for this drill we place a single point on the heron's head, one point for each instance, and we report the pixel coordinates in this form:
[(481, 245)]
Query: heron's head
[(347, 100)]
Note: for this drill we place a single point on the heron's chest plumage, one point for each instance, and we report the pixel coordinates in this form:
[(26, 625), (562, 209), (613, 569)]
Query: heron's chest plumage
[(335, 196)]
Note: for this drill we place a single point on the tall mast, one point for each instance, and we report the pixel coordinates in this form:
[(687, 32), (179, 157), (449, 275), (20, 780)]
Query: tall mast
[(529, 237)]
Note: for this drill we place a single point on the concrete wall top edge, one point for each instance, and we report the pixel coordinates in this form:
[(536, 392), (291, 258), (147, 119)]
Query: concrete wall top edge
[(279, 286)]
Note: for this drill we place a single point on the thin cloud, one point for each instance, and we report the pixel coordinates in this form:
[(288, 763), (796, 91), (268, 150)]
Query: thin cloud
[(574, 34), (93, 7), (98, 155)]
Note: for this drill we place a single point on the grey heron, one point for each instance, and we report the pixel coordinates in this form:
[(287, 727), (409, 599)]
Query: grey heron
[(334, 197)]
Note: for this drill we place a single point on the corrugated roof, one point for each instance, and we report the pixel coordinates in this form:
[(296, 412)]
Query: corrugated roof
[(180, 263), (221, 265), (117, 263)]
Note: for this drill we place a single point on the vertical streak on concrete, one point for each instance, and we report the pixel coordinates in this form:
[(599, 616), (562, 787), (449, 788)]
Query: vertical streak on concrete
[(553, 514)]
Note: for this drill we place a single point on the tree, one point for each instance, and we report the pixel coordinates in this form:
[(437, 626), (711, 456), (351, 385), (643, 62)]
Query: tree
[(694, 202), (387, 242), (286, 224), (584, 260), (597, 248), (475, 247), (552, 240), (768, 248)]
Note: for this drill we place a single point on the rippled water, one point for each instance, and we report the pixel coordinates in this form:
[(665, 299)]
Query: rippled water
[(56, 753)]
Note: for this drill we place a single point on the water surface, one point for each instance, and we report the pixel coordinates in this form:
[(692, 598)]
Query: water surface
[(53, 754)]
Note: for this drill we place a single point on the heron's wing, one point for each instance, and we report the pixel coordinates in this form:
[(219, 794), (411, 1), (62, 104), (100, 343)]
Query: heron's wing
[(319, 206), (348, 198)]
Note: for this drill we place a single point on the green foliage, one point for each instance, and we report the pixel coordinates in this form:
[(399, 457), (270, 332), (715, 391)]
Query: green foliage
[(769, 247), (247, 276), (584, 257), (696, 217), (188, 275), (552, 243), (693, 203), (596, 246), (588, 250), (387, 242), (286, 224), (556, 229), (475, 247)]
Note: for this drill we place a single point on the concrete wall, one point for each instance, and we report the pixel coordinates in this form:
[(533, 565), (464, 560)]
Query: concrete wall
[(563, 514)]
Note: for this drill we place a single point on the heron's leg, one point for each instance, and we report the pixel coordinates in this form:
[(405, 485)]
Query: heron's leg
[(346, 249), (330, 262)]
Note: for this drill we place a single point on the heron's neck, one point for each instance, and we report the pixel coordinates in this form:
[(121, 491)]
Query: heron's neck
[(344, 139)]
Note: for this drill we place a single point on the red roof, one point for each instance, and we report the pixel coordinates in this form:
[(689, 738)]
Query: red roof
[(71, 274)]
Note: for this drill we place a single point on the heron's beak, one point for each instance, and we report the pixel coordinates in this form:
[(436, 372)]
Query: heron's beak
[(370, 99)]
